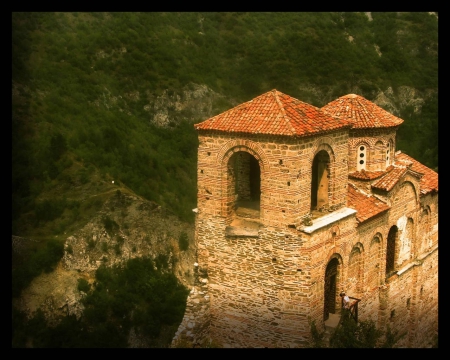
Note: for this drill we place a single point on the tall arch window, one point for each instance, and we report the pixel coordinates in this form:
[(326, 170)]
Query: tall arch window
[(319, 180), (390, 251), (361, 158)]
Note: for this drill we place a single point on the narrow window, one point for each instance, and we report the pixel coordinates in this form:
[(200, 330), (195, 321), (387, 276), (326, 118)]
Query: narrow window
[(390, 251), (361, 158), (388, 153)]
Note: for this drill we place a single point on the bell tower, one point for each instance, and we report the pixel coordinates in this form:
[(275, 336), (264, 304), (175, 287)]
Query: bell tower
[(262, 167)]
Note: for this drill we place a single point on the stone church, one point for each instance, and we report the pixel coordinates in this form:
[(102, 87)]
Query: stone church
[(297, 204)]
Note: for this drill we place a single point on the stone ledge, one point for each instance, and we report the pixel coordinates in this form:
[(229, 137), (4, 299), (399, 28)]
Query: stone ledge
[(328, 219)]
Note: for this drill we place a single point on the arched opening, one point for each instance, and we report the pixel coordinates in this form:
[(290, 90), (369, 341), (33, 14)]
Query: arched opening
[(320, 175), (246, 182), (374, 263), (330, 290), (424, 230), (355, 269), (390, 250)]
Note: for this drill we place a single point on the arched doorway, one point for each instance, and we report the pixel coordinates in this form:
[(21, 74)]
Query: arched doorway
[(319, 180), (330, 290)]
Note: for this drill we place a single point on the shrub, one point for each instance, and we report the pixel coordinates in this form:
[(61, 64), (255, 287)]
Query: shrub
[(120, 240), (183, 241), (91, 244), (362, 334), (83, 285), (317, 337), (49, 209), (117, 249), (109, 224)]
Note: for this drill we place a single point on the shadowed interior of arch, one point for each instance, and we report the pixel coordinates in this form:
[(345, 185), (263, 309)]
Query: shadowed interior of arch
[(247, 187)]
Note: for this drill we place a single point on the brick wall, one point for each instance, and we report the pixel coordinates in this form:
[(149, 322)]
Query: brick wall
[(375, 141)]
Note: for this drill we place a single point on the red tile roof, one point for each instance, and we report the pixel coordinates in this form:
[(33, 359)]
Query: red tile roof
[(367, 175), (366, 206), (391, 178), (429, 180), (361, 112), (274, 113), (403, 162)]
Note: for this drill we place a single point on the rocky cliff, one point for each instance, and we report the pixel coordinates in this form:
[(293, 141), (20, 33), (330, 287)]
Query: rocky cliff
[(126, 227)]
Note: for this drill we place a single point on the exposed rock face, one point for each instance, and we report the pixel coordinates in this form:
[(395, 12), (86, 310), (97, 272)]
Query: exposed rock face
[(139, 228), (193, 102), (394, 102), (55, 293), (406, 96)]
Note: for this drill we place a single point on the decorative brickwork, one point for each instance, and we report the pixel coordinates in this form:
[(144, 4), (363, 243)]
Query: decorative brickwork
[(286, 221)]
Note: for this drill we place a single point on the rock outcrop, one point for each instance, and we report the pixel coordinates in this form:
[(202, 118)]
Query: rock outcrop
[(126, 227)]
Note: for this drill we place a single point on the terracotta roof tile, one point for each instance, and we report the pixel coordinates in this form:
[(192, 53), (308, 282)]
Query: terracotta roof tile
[(391, 178), (429, 180), (366, 175), (274, 113), (361, 112), (366, 206)]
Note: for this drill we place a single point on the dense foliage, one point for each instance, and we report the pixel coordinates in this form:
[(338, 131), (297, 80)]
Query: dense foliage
[(82, 81), (142, 296), (350, 334)]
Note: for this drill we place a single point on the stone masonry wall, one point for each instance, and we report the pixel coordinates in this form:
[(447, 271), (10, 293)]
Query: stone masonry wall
[(255, 289), (426, 301)]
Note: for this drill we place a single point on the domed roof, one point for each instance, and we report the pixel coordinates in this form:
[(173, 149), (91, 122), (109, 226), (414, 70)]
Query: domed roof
[(361, 112)]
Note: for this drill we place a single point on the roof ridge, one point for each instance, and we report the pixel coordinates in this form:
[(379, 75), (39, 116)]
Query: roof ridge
[(283, 111), (363, 106)]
